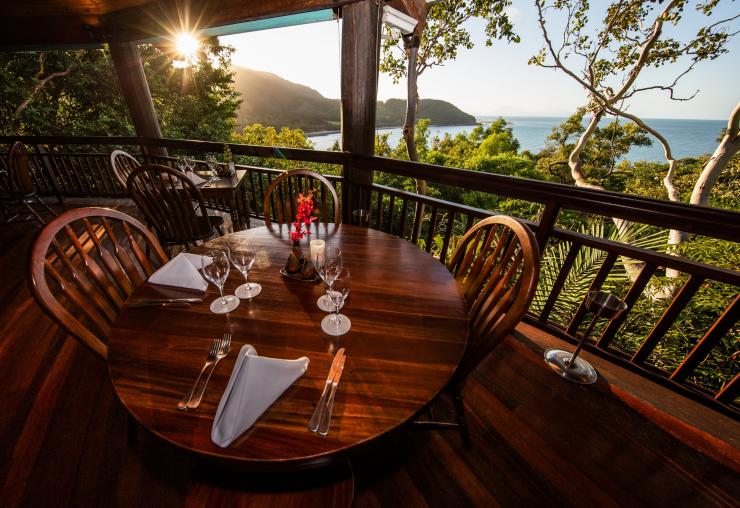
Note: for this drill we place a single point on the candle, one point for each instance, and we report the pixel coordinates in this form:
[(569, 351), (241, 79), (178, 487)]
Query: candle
[(317, 253)]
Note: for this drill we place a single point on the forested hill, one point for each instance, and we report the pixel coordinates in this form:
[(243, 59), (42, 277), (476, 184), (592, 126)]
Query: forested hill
[(271, 100)]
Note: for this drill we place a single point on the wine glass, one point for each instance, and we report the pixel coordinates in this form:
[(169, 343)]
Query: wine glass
[(215, 265), (328, 273), (602, 305), (242, 255), (181, 164), (336, 323)]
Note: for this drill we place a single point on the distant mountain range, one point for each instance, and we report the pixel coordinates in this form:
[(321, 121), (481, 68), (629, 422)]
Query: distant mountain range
[(269, 99)]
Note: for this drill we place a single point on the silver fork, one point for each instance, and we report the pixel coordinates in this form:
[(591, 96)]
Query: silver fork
[(212, 355), (223, 349)]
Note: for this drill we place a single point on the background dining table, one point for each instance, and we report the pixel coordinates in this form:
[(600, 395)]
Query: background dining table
[(409, 331)]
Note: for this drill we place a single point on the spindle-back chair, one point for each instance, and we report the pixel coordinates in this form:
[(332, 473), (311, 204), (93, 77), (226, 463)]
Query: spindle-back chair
[(19, 188), (85, 263), (280, 201), (165, 197)]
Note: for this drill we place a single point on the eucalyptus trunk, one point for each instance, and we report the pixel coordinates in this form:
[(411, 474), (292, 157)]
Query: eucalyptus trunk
[(727, 148), (411, 44)]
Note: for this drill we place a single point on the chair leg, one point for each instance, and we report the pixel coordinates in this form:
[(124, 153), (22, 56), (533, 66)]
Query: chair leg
[(34, 212), (41, 201), (220, 230), (462, 424), (132, 431)]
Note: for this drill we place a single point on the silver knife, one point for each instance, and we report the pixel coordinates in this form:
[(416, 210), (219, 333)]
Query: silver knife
[(326, 416), (158, 304), (313, 424)]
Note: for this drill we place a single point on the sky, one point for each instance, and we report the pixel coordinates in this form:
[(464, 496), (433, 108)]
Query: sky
[(496, 80)]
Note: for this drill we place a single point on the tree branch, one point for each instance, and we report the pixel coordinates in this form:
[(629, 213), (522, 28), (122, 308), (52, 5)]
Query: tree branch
[(39, 85)]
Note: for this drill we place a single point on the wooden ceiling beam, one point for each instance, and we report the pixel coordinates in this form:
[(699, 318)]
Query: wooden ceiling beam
[(134, 20)]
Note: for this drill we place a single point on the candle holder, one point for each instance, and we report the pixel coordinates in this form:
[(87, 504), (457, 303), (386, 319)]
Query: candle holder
[(602, 305)]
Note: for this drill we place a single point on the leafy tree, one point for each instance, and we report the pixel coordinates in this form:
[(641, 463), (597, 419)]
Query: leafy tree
[(76, 93), (607, 59), (439, 35), (599, 157)]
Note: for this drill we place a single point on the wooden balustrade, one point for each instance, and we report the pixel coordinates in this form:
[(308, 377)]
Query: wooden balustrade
[(59, 169)]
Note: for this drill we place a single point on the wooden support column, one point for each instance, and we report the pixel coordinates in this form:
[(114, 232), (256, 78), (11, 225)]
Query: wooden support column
[(135, 90), (360, 59)]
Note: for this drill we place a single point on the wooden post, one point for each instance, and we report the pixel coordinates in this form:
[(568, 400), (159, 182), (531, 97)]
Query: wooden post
[(360, 58), (135, 90)]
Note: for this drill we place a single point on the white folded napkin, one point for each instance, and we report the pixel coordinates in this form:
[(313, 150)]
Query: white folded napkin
[(194, 178), (180, 271), (255, 384), (196, 260)]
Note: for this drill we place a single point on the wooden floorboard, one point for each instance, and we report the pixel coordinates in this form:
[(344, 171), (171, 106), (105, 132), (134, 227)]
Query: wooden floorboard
[(536, 439)]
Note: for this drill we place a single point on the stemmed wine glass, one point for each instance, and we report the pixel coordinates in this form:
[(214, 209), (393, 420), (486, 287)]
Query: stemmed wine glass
[(602, 305), (328, 273), (215, 265), (242, 255), (336, 323)]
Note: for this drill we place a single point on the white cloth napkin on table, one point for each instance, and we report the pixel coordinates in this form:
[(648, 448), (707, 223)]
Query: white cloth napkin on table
[(181, 271), (194, 178), (255, 384)]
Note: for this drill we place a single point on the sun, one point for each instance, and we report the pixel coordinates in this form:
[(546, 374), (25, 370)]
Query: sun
[(187, 45)]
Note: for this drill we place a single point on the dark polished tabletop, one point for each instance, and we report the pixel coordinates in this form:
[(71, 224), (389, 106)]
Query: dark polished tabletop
[(409, 330)]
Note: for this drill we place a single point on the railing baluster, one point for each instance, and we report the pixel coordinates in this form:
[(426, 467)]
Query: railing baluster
[(575, 322), (547, 223), (713, 335), (730, 391), (430, 235), (416, 226), (448, 235), (404, 213), (379, 211), (669, 316), (632, 295), (560, 281), (389, 221)]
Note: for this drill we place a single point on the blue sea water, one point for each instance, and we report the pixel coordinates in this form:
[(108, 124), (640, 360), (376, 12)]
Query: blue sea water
[(688, 138)]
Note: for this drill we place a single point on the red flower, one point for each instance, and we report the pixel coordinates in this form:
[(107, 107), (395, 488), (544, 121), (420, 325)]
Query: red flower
[(303, 216)]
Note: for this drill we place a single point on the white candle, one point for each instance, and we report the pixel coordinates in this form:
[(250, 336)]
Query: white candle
[(317, 252)]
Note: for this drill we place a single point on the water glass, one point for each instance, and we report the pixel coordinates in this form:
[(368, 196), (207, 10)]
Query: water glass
[(336, 323), (242, 255), (328, 271), (215, 265)]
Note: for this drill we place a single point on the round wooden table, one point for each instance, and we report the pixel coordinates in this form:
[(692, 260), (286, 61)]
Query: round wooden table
[(409, 330)]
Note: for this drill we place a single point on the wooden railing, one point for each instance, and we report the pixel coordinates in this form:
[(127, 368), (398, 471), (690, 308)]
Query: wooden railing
[(437, 226)]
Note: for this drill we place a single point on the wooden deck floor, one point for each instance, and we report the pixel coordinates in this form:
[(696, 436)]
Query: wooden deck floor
[(536, 440)]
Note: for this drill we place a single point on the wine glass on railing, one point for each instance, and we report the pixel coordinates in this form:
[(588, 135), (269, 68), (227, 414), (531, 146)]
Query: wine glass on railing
[(242, 255), (602, 305), (216, 270), (329, 271), (336, 323)]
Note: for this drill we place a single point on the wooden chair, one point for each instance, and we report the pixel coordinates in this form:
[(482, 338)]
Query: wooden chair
[(85, 263), (166, 197), (497, 266), (19, 184), (123, 164), (280, 198)]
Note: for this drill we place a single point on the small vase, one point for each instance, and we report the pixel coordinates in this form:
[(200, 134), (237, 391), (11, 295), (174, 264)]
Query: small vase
[(231, 168), (295, 260)]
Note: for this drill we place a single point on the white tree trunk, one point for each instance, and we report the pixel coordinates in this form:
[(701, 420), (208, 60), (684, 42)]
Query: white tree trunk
[(728, 146)]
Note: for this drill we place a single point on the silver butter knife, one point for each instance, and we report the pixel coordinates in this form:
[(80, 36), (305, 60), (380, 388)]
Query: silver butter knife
[(326, 416), (313, 424)]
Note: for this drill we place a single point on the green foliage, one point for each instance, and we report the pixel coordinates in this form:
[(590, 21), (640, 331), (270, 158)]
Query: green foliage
[(601, 155), (198, 102), (445, 33)]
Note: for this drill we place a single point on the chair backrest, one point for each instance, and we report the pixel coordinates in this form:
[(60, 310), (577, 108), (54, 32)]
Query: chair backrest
[(497, 266), (280, 199), (20, 181), (166, 197), (123, 165), (85, 263)]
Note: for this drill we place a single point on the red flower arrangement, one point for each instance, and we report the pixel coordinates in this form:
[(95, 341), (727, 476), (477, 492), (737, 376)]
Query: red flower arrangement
[(303, 216)]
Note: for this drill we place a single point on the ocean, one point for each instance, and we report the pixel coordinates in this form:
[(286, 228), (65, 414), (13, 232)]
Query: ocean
[(688, 138)]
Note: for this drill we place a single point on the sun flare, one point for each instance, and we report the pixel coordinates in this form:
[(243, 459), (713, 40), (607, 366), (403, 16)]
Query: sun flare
[(187, 45)]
